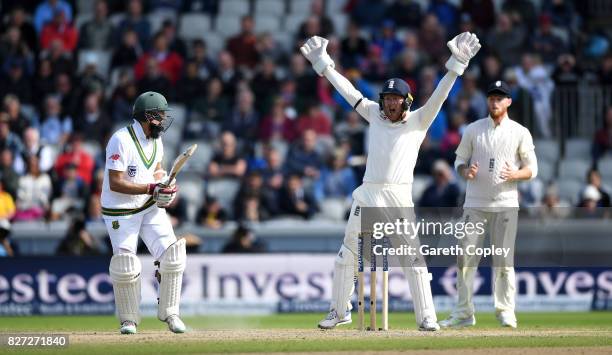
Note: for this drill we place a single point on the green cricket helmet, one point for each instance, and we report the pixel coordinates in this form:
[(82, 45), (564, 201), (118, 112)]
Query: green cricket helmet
[(152, 106)]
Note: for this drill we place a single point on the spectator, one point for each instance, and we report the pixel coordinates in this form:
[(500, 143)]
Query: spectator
[(303, 159), (388, 42), (253, 202), (33, 146), (545, 43), (209, 113), (432, 37), (446, 13), (589, 204), (443, 191), (7, 205), (273, 175), (169, 63), (74, 153), (60, 59), (9, 178), (18, 18), (44, 82), (533, 77), (314, 119), (128, 52), (229, 75), (506, 40), (602, 143), (34, 193), (521, 11), (54, 128), (304, 78), (211, 214), (98, 32), (154, 80), (470, 90), (567, 74), (243, 46), (59, 29), (405, 13), (353, 131), (296, 200), (72, 193), (552, 207), (490, 71), (227, 163), (123, 98), (90, 79), (243, 241), (8, 139), (206, 67), (562, 13), (268, 47), (46, 11), (78, 241), (190, 88), (337, 179), (594, 179), (604, 73), (175, 44), (136, 22), (408, 68), (373, 66), (14, 51), (325, 24), (16, 83), (7, 249), (18, 122), (177, 211), (94, 124), (266, 85), (482, 12), (452, 138), (243, 120), (354, 47), (277, 126)]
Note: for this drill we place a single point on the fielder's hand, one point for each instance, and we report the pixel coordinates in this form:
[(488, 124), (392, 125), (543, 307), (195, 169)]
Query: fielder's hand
[(315, 50), (470, 173), (463, 47), (508, 173), (162, 194)]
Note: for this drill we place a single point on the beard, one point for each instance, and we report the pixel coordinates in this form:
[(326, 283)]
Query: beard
[(156, 131)]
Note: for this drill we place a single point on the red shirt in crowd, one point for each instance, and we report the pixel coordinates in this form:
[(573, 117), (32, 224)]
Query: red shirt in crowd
[(64, 32), (83, 161), (320, 123), (170, 65)]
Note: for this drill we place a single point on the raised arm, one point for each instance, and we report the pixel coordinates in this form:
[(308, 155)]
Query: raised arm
[(463, 48), (315, 50)]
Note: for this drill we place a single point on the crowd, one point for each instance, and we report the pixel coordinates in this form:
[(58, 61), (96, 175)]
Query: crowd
[(281, 131)]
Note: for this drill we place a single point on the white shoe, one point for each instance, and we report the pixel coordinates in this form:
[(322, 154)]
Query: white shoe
[(507, 319), (175, 324), (127, 327), (455, 322), (429, 325), (332, 320)]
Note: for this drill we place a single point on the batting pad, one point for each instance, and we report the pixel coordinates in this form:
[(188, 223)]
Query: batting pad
[(343, 284), (419, 281), (125, 271), (171, 267)]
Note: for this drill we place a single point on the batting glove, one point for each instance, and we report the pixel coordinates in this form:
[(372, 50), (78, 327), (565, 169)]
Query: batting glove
[(162, 194), (315, 50), (463, 47)]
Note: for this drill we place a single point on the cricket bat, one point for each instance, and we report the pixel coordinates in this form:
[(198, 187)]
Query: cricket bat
[(179, 162)]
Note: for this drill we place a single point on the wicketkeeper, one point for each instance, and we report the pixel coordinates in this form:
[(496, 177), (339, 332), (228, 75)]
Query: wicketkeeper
[(134, 195), (395, 135)]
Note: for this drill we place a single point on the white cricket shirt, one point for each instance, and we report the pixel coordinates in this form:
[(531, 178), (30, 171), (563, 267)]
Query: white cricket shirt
[(129, 150), (492, 146)]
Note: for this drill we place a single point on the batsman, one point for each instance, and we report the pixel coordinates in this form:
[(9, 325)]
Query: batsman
[(394, 137), (135, 192)]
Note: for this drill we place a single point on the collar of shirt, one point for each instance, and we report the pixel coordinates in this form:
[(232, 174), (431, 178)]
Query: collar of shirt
[(503, 123), (140, 132)]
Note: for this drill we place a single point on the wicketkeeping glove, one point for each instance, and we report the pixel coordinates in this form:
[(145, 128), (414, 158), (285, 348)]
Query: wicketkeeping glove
[(463, 47), (315, 50), (162, 194)]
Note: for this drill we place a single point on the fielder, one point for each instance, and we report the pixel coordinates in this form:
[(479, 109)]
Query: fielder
[(395, 135), (494, 154), (133, 199)]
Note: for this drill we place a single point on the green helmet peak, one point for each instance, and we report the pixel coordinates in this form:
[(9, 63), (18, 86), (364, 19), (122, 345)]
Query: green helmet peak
[(149, 101)]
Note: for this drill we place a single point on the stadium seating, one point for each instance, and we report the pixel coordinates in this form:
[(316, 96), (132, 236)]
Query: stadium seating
[(270, 7), (157, 18), (194, 25), (192, 190), (215, 42), (333, 209), (574, 169), (577, 148), (233, 7), (547, 150), (569, 191), (267, 23), (228, 25), (224, 190), (546, 170)]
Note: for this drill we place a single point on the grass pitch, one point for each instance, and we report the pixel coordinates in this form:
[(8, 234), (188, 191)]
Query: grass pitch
[(537, 333)]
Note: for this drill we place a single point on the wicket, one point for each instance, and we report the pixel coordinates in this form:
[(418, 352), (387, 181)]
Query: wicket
[(373, 285)]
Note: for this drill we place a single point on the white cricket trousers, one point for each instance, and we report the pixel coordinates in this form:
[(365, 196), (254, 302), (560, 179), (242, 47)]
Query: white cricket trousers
[(501, 227), (153, 226)]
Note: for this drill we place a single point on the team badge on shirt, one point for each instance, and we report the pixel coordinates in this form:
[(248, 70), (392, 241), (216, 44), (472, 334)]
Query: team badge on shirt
[(131, 170), (115, 224)]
